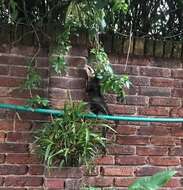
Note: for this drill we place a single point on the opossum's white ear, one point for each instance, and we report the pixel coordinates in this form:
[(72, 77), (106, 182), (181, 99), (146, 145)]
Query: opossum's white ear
[(89, 71)]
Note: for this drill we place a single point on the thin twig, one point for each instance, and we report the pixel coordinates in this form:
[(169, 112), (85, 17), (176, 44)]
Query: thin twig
[(128, 53), (39, 44)]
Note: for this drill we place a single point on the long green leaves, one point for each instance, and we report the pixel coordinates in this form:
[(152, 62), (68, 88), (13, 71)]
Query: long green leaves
[(70, 140), (153, 182)]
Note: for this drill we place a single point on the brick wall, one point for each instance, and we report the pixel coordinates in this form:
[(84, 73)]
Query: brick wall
[(138, 149)]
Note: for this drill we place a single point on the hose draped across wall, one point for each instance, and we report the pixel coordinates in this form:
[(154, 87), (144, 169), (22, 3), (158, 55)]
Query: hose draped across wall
[(90, 116)]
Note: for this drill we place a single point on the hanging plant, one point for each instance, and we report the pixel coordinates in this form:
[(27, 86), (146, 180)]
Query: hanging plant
[(110, 82)]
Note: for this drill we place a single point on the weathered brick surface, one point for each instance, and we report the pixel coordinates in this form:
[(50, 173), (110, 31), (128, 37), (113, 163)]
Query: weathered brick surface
[(138, 149)]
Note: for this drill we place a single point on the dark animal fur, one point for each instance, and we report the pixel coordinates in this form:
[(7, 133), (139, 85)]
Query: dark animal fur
[(96, 99)]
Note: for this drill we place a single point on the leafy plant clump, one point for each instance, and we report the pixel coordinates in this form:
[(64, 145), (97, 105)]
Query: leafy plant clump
[(70, 140), (110, 82), (33, 80), (38, 101)]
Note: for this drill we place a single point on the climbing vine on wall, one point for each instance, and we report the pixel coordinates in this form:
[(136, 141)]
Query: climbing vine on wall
[(87, 16)]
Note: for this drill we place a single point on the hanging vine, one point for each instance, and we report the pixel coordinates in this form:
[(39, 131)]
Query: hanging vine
[(88, 16)]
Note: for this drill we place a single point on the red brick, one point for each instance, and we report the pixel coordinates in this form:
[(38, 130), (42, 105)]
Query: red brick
[(147, 171), (57, 93), (55, 183), (154, 131), (73, 184), (17, 93), (10, 82), (105, 160), (2, 158), (130, 160), (27, 116), (176, 151), (117, 171), (13, 170), (2, 136), (66, 172), (22, 159), (155, 91), (13, 101), (121, 109), (163, 141), (93, 172), (6, 125), (99, 181), (122, 69), (110, 98), (1, 181), (177, 73), (77, 94), (154, 111), (4, 70), (177, 92), (177, 131), (181, 161), (126, 130), (36, 170), (22, 126), (174, 183), (18, 71), (76, 72), (176, 112), (79, 51), (4, 57), (159, 101), (140, 81), (154, 151), (115, 149), (155, 72), (178, 83), (23, 181), (5, 91), (43, 62), (20, 137), (16, 60), (162, 82), (164, 161), (137, 100), (16, 188), (22, 72), (133, 90), (68, 83), (165, 124), (132, 140), (13, 148), (57, 104), (123, 182), (75, 61)]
